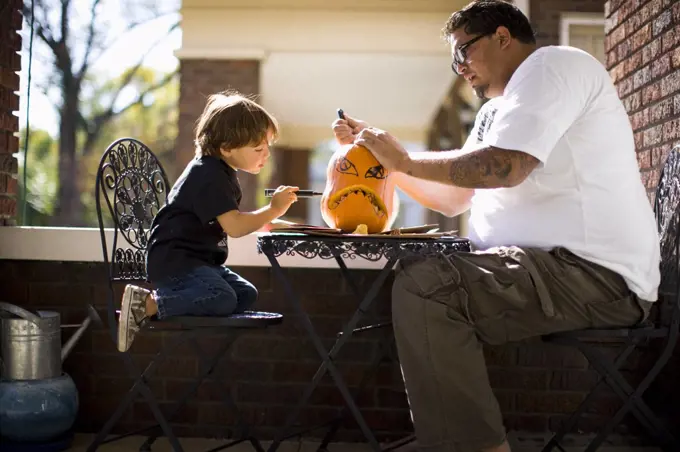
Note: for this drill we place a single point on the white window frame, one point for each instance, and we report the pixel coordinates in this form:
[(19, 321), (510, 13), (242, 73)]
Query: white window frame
[(569, 19)]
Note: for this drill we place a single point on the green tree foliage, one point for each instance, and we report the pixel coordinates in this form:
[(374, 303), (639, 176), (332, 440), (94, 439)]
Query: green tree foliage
[(152, 121), (41, 178), (71, 37)]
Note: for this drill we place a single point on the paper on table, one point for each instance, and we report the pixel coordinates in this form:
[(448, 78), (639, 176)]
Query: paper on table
[(283, 225), (426, 228)]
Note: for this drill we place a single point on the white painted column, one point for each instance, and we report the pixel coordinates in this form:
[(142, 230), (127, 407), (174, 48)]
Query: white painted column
[(523, 6)]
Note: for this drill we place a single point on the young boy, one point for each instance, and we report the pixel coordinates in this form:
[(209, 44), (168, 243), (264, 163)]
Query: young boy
[(188, 242)]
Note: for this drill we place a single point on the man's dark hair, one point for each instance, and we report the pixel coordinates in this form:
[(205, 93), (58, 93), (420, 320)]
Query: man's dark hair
[(483, 17)]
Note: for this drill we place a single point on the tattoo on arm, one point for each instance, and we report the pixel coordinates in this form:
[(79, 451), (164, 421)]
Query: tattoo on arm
[(491, 168)]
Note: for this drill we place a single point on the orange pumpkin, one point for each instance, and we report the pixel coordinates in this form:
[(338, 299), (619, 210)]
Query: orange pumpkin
[(359, 190)]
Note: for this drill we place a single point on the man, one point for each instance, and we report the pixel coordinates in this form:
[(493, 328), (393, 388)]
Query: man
[(564, 234)]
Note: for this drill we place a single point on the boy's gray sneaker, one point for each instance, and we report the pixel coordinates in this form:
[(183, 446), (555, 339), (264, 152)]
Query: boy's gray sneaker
[(132, 315)]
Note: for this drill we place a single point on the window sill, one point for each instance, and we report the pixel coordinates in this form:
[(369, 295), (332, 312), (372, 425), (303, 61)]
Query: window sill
[(84, 245)]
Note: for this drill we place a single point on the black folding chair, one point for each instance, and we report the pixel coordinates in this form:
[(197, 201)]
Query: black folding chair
[(662, 326), (135, 186)]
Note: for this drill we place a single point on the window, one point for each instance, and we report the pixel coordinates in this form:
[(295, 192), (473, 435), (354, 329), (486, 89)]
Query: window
[(584, 31)]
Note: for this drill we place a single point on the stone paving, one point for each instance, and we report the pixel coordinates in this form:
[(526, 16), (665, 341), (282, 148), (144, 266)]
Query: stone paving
[(519, 443)]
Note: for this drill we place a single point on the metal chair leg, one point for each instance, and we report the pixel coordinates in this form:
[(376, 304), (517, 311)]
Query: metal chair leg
[(243, 427), (139, 386), (569, 425), (632, 399), (207, 370), (208, 367), (611, 376)]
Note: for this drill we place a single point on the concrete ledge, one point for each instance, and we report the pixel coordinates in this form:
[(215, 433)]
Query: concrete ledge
[(84, 245)]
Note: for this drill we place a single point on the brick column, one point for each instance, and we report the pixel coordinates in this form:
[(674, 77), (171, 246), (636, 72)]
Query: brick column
[(643, 58), (10, 64), (200, 78), (291, 167)]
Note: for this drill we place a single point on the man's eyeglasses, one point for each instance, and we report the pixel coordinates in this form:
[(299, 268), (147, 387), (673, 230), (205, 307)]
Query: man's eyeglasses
[(460, 54)]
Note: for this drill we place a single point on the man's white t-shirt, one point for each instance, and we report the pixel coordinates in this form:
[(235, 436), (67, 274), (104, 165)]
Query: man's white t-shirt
[(586, 195)]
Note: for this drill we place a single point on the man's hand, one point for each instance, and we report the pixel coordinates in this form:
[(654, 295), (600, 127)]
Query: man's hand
[(385, 148), (346, 130)]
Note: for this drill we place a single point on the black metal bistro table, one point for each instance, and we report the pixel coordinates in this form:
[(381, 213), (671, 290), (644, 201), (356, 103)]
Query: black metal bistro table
[(341, 248)]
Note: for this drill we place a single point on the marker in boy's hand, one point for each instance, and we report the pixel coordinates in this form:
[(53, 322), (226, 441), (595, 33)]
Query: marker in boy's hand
[(283, 198)]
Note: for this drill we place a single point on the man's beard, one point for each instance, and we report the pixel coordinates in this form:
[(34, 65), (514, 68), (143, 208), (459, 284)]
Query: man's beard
[(480, 91)]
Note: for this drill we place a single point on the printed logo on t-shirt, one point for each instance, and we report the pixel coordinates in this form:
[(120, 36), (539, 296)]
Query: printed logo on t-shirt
[(223, 242), (485, 122), (218, 234)]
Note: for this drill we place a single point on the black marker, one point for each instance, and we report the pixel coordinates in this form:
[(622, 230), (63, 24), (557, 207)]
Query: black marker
[(269, 192), (341, 114)]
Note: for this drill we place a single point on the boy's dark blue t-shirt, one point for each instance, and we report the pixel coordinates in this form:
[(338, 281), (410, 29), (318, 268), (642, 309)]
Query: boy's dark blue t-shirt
[(185, 233)]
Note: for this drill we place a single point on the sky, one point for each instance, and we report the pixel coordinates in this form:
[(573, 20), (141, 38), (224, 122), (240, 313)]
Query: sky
[(126, 52)]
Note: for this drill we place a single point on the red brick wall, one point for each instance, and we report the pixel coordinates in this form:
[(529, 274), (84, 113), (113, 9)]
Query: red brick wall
[(536, 384), (643, 58), (545, 16), (10, 64), (200, 78)]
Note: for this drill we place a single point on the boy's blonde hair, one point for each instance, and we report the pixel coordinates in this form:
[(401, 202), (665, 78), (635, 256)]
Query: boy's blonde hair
[(231, 120)]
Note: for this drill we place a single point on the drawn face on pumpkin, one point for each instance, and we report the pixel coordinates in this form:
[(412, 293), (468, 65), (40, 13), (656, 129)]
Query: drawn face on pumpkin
[(359, 190)]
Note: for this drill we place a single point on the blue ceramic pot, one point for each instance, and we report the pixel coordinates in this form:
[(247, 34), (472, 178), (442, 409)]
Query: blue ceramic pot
[(37, 410)]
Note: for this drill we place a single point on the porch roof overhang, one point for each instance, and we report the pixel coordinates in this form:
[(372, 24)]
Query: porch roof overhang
[(380, 60)]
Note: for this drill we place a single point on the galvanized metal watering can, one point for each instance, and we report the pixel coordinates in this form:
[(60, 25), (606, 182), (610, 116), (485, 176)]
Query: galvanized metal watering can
[(30, 342)]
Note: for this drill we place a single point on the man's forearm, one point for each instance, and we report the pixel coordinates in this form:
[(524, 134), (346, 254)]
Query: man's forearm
[(448, 200), (486, 167)]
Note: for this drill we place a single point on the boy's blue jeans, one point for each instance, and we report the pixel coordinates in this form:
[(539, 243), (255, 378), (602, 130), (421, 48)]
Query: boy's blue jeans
[(205, 291)]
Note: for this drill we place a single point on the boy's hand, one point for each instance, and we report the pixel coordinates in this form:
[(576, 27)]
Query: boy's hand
[(282, 199), (346, 130)]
